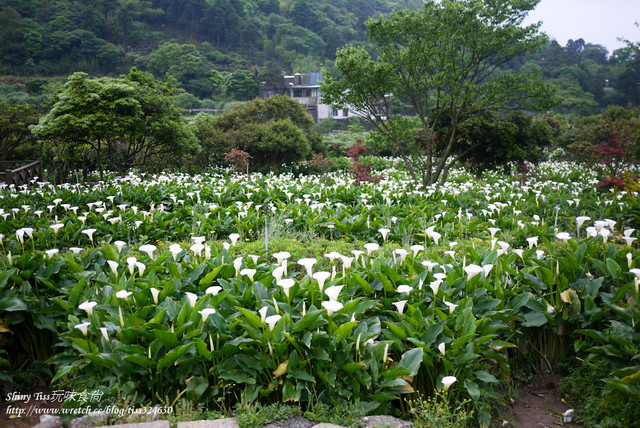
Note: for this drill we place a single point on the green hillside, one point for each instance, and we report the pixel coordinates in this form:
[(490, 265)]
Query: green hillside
[(220, 50), (50, 37)]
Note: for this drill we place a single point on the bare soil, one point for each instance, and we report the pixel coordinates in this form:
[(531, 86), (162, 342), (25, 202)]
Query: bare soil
[(538, 405)]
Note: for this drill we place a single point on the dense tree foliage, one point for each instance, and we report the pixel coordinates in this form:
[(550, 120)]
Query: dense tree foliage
[(188, 66), (202, 43), (615, 124), (216, 52), (444, 63), (589, 77), (16, 142), (242, 85), (497, 141), (104, 36), (119, 123), (273, 131)]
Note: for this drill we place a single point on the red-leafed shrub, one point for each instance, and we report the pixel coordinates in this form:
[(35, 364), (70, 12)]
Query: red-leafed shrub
[(319, 163), (11, 80), (238, 158), (356, 151), (359, 170), (611, 153), (611, 182)]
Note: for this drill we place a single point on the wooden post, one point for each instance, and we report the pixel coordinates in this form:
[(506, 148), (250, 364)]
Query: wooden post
[(39, 173)]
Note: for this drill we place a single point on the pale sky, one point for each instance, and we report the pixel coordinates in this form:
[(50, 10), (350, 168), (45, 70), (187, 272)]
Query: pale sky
[(599, 22)]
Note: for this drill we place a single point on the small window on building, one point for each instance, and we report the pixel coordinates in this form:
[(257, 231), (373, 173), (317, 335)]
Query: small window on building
[(301, 93), (334, 112), (345, 112)]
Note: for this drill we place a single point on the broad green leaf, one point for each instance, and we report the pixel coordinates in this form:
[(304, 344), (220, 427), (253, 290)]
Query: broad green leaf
[(613, 268), (354, 367), (472, 388), (485, 376), (157, 319), (172, 356), (252, 318), (533, 280), (396, 331), (534, 319), (484, 418), (12, 304), (289, 393), (63, 371), (5, 275), (362, 283), (168, 339), (518, 302), (433, 332), (411, 360), (208, 278), (140, 360), (238, 376), (301, 375), (396, 372), (203, 348), (386, 284), (345, 330), (592, 287), (196, 386), (463, 358)]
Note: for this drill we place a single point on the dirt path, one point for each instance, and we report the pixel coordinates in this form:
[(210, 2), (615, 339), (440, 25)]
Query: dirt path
[(538, 406)]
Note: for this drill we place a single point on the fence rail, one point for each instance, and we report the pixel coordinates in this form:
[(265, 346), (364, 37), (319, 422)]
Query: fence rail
[(22, 175)]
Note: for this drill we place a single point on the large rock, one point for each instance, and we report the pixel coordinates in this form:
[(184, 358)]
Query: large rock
[(154, 424), (293, 422), (327, 425), (49, 421), (384, 422), (93, 419), (218, 423)]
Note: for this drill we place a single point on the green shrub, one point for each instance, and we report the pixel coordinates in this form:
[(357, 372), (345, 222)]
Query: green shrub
[(435, 412), (594, 399)]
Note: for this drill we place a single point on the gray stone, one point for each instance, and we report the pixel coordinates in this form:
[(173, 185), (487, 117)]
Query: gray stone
[(49, 421), (155, 424), (384, 422), (293, 422), (93, 419), (217, 423), (327, 425), (153, 414)]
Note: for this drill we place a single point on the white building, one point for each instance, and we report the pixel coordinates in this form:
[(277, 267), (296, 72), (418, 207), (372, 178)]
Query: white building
[(305, 89)]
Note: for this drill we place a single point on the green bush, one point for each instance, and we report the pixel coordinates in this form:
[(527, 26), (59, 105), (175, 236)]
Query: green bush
[(594, 400)]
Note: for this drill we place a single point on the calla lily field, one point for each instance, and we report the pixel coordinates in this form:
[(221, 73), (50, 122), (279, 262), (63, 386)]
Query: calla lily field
[(222, 289)]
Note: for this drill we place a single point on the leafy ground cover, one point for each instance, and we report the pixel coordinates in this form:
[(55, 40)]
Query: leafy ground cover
[(407, 300)]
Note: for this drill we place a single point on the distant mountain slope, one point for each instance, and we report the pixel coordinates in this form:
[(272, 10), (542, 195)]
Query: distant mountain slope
[(53, 37)]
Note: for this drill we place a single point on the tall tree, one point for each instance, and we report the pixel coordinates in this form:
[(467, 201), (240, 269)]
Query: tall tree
[(127, 122), (242, 85), (444, 62), (16, 141), (187, 65), (273, 131), (11, 36)]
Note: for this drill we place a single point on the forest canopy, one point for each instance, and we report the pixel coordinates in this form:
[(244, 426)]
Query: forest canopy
[(221, 50)]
